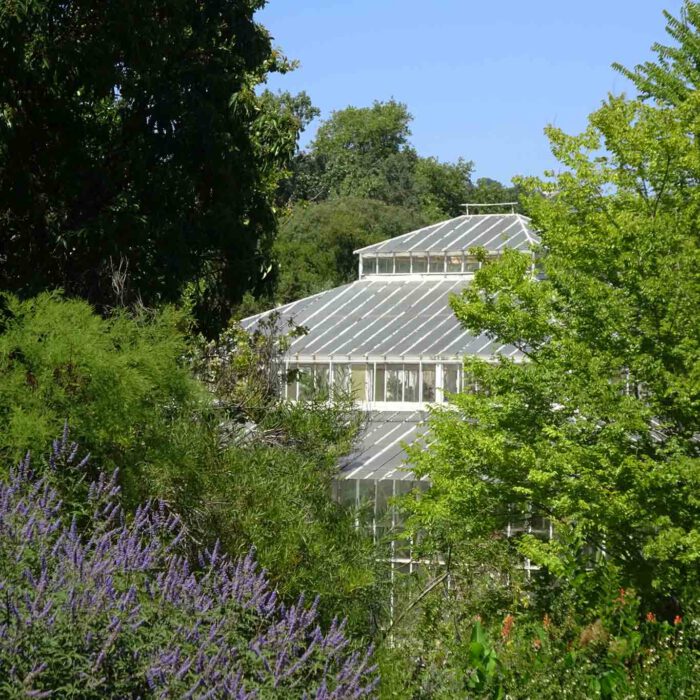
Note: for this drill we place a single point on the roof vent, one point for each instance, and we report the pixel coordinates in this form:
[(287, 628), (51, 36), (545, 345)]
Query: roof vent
[(478, 205)]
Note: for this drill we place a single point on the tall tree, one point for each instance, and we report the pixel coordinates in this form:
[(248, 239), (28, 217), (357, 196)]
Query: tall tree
[(135, 156), (355, 144), (365, 152), (598, 428)]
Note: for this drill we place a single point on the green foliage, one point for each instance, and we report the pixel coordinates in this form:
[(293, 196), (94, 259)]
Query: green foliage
[(673, 77), (356, 146), (271, 484), (365, 152), (135, 155), (597, 430), (315, 243), (488, 191), (119, 381), (238, 464)]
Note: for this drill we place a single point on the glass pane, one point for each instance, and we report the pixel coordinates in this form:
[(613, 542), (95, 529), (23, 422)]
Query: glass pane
[(468, 383), (385, 266), (410, 391), (471, 265), (322, 379), (341, 378), (454, 263), (420, 264), (379, 383), (450, 379), (366, 515), (403, 265), (428, 383), (385, 492), (291, 390), (347, 492), (306, 382), (369, 266), (358, 383), (437, 263), (394, 377)]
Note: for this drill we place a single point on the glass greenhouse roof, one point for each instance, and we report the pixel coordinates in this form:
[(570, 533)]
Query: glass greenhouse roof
[(491, 231), (377, 319), (380, 452)]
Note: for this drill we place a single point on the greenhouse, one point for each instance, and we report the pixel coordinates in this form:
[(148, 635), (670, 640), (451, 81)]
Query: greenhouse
[(390, 339)]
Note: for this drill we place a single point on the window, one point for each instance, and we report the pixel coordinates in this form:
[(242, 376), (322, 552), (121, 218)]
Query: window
[(341, 378), (402, 265), (454, 263), (322, 380), (471, 264), (357, 382), (385, 266), (291, 385), (420, 264), (379, 382), (410, 383), (369, 266), (450, 379), (306, 382), (428, 383), (394, 383), (469, 383), (437, 263)]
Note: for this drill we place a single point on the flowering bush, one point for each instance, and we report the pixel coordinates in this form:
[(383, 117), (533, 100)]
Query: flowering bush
[(116, 611)]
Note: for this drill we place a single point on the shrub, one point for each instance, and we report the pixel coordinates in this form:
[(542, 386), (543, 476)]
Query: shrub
[(118, 612), (120, 381)]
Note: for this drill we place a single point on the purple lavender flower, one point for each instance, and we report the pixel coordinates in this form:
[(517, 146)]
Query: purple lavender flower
[(115, 610)]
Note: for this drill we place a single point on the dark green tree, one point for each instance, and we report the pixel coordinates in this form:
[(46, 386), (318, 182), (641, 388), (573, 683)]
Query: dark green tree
[(135, 156), (365, 152), (488, 191), (315, 244)]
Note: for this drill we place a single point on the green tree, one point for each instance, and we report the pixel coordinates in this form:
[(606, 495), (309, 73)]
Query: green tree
[(135, 156), (597, 429), (315, 244), (488, 191), (355, 143), (442, 188), (365, 152)]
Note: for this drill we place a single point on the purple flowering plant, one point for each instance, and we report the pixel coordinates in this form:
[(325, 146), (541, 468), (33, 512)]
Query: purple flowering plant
[(114, 609)]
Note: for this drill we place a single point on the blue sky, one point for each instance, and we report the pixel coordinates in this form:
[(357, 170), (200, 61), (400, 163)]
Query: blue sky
[(481, 79)]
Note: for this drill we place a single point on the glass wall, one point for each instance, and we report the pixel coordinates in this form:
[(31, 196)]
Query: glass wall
[(376, 514), (374, 504), (378, 382), (420, 263)]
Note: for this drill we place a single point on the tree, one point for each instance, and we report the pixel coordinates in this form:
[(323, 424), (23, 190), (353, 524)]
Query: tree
[(365, 152), (488, 191), (315, 244), (597, 430), (135, 156), (354, 145)]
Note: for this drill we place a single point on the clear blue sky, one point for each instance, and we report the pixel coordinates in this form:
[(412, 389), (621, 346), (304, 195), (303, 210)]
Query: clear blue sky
[(481, 79)]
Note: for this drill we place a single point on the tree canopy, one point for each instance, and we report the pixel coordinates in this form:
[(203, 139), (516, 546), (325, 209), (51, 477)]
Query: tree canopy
[(315, 245), (135, 156), (361, 181), (597, 429), (365, 152)]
